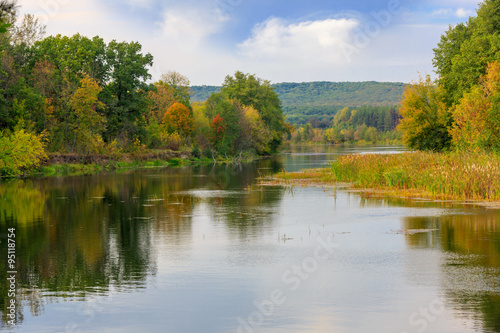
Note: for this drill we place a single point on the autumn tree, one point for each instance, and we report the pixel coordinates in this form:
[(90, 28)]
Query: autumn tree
[(89, 123), (218, 130), (425, 117), (160, 99), (477, 116), (179, 118)]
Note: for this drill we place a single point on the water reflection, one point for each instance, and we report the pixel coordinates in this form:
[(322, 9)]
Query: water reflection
[(470, 266), (204, 242), (82, 235)]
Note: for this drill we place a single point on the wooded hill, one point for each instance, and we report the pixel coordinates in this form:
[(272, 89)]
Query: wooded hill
[(321, 100)]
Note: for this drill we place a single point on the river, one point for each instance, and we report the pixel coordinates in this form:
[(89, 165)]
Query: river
[(204, 249)]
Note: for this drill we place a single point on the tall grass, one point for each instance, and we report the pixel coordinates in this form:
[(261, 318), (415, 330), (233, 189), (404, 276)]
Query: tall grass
[(465, 176)]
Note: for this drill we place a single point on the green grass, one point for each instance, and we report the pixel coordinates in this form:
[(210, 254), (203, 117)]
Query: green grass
[(453, 176)]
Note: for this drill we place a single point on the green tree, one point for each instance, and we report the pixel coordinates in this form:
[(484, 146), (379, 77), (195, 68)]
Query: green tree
[(465, 50), (252, 91), (425, 117), (7, 8), (125, 94)]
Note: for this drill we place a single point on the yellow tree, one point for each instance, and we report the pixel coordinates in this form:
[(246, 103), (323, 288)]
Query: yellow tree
[(425, 118), (477, 116), (179, 118), (89, 123)]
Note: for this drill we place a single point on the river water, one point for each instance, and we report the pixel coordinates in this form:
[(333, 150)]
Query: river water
[(203, 249)]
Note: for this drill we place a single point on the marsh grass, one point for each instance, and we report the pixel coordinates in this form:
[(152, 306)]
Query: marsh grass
[(446, 176)]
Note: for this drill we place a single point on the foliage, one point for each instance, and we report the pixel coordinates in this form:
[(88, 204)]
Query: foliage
[(89, 123), (303, 102), (425, 118), (462, 176), (477, 117), (179, 85), (218, 129), (179, 119), (252, 91), (465, 50), (20, 151), (160, 99)]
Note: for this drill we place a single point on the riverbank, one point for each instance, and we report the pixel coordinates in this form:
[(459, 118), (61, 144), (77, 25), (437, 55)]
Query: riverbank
[(471, 176), (74, 164)]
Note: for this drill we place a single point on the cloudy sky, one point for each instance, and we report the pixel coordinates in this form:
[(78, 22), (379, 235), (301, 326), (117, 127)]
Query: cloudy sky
[(278, 40)]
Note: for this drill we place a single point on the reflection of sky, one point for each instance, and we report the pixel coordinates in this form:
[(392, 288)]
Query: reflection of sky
[(212, 272)]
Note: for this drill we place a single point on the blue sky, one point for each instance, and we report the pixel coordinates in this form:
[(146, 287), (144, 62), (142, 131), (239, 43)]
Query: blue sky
[(278, 40)]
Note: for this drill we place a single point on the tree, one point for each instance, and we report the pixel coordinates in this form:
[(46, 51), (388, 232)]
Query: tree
[(465, 50), (161, 98), (7, 8), (230, 112), (179, 85), (477, 117), (425, 118), (19, 151), (125, 93), (89, 124), (30, 31), (218, 130), (252, 91), (179, 119)]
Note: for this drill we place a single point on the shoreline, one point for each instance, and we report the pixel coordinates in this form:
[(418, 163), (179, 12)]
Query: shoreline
[(62, 165), (465, 178)]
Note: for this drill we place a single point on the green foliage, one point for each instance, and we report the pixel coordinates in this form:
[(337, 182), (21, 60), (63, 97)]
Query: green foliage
[(252, 91), (302, 102), (465, 49), (425, 118), (19, 151)]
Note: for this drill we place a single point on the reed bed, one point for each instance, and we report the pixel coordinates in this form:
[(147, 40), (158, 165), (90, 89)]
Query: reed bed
[(462, 176)]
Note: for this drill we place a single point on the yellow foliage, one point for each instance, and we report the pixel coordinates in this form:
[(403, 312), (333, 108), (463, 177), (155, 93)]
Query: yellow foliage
[(20, 151), (425, 118), (477, 120)]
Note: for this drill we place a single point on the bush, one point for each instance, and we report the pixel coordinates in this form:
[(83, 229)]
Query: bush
[(20, 151)]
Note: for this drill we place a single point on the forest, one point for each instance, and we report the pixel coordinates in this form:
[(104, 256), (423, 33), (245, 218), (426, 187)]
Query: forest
[(322, 100), (80, 95), (460, 110)]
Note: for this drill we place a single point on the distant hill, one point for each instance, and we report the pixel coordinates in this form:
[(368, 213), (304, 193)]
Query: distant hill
[(321, 100)]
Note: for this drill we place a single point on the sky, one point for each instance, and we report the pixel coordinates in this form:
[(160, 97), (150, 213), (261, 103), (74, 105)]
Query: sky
[(277, 40)]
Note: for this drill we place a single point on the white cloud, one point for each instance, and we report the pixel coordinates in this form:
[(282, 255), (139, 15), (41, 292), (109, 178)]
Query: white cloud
[(463, 13), (303, 41)]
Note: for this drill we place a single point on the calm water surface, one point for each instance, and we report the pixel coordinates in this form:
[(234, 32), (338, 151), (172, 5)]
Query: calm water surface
[(202, 249)]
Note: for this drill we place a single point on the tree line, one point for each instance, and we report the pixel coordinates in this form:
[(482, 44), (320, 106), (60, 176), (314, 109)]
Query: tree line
[(460, 110), (368, 124), (322, 100), (74, 94)]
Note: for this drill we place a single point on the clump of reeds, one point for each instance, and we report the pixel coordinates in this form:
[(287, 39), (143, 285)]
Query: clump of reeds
[(464, 176)]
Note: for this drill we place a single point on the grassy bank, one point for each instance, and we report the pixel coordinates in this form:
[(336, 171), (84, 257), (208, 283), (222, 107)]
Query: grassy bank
[(447, 176), (73, 164)]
